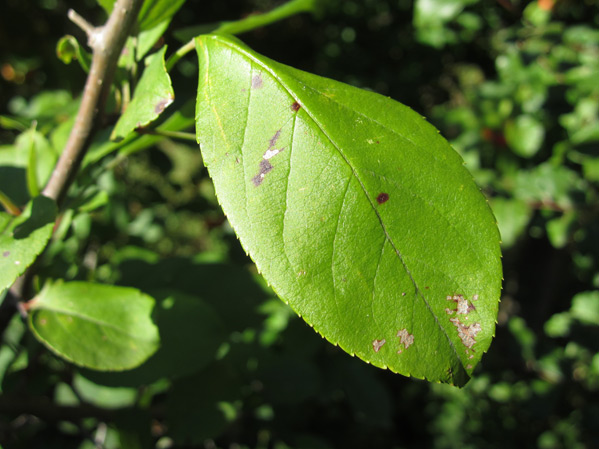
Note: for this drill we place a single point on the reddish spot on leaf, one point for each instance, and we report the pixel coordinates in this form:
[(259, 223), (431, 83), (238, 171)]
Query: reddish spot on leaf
[(295, 106), (6, 253), (382, 198)]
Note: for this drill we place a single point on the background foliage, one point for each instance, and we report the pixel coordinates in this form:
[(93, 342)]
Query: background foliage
[(511, 84)]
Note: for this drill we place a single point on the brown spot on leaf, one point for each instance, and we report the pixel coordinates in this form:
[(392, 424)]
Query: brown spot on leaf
[(257, 81), (273, 140), (6, 254), (162, 104), (378, 344), (295, 106), (405, 338), (382, 198), (265, 167)]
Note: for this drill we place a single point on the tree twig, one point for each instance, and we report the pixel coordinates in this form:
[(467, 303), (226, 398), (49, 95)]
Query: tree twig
[(107, 43)]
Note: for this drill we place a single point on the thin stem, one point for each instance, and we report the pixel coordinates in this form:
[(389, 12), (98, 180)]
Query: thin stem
[(8, 205), (106, 43), (88, 28), (288, 9), (173, 134), (182, 51)]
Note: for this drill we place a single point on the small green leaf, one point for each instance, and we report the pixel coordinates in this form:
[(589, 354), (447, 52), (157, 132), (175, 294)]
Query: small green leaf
[(32, 182), (153, 12), (525, 135), (512, 218), (24, 237), (354, 209), (68, 48), (103, 327), (153, 95), (585, 307), (16, 165), (147, 38)]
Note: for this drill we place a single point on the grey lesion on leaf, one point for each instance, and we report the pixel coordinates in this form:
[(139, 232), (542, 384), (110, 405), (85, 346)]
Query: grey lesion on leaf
[(265, 166), (466, 332), (163, 104), (405, 339), (257, 81), (6, 254), (378, 344)]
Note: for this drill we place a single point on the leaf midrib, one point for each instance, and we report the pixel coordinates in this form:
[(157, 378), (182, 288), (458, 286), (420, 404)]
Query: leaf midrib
[(89, 319)]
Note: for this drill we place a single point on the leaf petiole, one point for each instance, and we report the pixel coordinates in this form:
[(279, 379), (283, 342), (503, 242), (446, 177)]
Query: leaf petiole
[(8, 205), (173, 134), (246, 24)]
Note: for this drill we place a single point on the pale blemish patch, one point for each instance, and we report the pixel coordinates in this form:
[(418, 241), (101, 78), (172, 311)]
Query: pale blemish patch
[(378, 344), (463, 305), (466, 333), (301, 273), (17, 262), (271, 153), (265, 165), (405, 338)]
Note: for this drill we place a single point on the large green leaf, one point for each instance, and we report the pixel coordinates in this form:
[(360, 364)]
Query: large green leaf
[(98, 326), (24, 237), (356, 211)]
